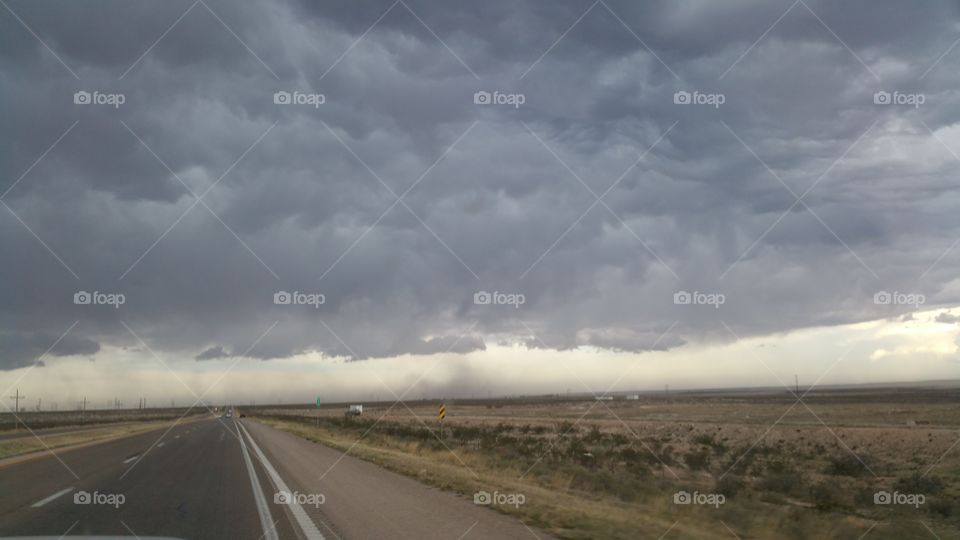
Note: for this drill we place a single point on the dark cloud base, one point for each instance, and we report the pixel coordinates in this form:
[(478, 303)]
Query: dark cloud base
[(597, 199)]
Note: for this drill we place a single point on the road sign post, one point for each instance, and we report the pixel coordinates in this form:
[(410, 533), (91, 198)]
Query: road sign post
[(318, 412)]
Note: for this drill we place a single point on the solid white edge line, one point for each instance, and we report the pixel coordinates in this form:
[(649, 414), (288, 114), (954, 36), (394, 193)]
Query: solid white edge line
[(269, 531), (309, 528), (42, 502)]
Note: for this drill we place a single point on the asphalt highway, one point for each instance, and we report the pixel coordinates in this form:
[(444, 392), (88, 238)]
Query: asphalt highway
[(223, 478)]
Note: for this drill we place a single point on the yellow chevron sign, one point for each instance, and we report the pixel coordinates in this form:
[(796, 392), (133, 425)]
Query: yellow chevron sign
[(443, 411)]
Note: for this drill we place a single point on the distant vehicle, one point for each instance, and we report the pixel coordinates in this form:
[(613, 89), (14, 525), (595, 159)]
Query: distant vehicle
[(355, 410), (229, 415), (242, 415)]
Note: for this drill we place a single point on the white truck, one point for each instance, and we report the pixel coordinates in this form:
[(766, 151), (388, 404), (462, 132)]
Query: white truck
[(355, 410)]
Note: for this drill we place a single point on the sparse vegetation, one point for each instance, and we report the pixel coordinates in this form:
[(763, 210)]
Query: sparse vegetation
[(41, 441), (608, 475)]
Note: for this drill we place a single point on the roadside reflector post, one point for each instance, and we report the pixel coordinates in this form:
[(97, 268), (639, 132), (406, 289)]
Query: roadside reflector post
[(442, 413)]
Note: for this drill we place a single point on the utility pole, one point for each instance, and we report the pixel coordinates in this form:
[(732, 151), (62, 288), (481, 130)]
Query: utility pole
[(796, 379), (83, 409), (16, 407)]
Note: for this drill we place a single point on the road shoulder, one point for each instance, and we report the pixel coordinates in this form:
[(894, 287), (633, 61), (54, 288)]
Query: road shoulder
[(364, 500)]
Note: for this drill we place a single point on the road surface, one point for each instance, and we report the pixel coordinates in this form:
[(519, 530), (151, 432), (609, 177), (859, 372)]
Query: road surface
[(219, 479)]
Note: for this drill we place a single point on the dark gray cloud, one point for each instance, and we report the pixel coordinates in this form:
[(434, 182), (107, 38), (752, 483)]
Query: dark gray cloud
[(20, 349), (213, 353), (686, 205)]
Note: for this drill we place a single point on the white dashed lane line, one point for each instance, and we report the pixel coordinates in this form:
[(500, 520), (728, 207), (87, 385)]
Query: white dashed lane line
[(160, 444), (42, 502), (129, 459)]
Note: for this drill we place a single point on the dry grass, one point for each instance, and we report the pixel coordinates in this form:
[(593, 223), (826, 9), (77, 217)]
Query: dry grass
[(613, 473), (548, 506), (42, 442)]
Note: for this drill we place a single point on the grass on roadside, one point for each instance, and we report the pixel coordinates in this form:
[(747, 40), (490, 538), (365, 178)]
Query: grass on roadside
[(29, 443), (572, 504)]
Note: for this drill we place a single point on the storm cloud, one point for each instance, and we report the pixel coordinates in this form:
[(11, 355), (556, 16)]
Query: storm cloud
[(802, 168)]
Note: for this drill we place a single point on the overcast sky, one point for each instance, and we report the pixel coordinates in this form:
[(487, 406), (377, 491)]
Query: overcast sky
[(793, 164)]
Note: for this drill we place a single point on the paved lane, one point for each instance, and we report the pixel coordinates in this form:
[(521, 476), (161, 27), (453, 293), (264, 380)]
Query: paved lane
[(193, 483), (218, 478)]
